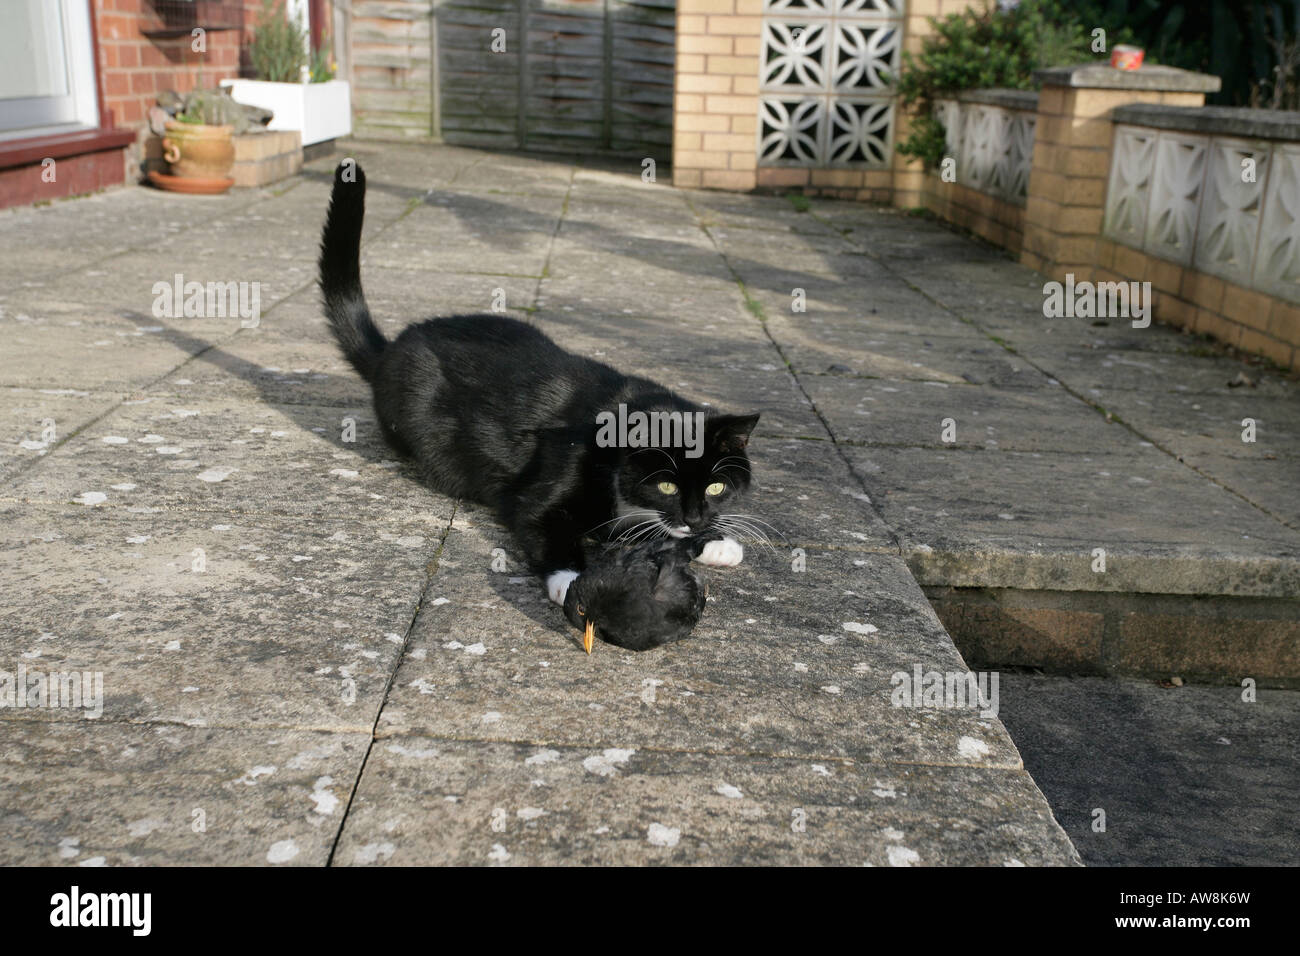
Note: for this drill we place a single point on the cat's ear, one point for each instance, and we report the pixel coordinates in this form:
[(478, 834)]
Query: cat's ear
[(731, 432)]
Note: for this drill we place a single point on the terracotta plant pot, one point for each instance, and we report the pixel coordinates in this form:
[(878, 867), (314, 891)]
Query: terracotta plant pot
[(198, 151)]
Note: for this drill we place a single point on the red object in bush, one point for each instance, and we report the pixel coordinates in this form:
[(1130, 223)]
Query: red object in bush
[(1126, 57)]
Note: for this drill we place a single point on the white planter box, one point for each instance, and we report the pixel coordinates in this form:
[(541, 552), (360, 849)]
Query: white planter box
[(320, 111)]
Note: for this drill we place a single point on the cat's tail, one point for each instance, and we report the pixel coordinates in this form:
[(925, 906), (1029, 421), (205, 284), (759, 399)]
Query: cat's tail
[(340, 272)]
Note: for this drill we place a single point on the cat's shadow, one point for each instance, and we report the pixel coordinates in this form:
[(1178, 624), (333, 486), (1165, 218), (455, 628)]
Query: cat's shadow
[(306, 416)]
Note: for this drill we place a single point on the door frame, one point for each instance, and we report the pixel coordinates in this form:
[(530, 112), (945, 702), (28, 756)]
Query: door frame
[(78, 109), (76, 142)]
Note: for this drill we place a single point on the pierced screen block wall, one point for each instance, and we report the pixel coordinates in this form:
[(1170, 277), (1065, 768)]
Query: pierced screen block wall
[(825, 86)]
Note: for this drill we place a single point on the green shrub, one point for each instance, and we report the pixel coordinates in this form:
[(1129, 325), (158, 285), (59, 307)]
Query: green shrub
[(278, 50), (984, 48)]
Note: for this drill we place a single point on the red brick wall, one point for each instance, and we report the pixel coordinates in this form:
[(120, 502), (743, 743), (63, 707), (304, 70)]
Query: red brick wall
[(134, 68), (88, 173)]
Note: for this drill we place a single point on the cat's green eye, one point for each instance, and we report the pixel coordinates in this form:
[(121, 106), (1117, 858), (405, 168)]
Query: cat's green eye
[(716, 488), (667, 488)]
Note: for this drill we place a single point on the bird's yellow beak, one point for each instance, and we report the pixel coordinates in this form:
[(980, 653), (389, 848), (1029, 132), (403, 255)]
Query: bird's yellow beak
[(589, 636)]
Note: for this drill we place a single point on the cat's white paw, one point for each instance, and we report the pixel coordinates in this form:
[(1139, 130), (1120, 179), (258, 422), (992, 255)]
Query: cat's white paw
[(724, 553), (557, 585)]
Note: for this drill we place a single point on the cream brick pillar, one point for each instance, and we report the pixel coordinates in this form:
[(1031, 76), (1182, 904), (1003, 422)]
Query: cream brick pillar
[(1072, 148), (909, 174), (715, 103)]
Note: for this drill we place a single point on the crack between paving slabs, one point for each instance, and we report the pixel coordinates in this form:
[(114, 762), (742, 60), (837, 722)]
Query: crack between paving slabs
[(550, 244), (756, 310), (430, 570)]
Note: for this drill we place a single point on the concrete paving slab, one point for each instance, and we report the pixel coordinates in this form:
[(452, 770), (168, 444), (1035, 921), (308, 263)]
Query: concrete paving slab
[(599, 305), (900, 412), (636, 212), (641, 291), (96, 793), (771, 668), (117, 355), (1269, 483), (273, 367), (437, 802), (786, 411), (1094, 372), (515, 175), (956, 360), (631, 232), (840, 305), (212, 618), (1195, 424), (44, 241), (726, 339), (780, 269), (33, 421), (527, 257), (275, 234), (228, 454), (141, 287), (760, 244), (1186, 776), (1032, 520), (762, 213), (658, 263), (807, 495)]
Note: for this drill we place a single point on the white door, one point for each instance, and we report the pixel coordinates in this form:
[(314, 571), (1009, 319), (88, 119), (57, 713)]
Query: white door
[(47, 68)]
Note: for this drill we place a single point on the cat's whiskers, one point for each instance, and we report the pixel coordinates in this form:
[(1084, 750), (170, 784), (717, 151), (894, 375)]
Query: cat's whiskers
[(649, 529), (623, 517), (721, 463), (754, 529), (747, 527), (624, 535), (755, 519), (641, 527)]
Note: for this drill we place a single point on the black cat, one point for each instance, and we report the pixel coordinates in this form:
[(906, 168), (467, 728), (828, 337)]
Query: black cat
[(492, 410)]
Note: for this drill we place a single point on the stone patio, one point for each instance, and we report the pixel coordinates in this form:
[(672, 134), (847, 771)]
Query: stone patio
[(308, 658)]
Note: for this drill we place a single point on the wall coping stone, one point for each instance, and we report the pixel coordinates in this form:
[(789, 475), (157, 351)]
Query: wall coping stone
[(1103, 76), (1007, 99), (1216, 120)]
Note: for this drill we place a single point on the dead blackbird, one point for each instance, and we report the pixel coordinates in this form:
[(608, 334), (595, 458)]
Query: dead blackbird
[(637, 597)]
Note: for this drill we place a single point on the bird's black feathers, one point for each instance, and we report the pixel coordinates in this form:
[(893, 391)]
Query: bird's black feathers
[(639, 597)]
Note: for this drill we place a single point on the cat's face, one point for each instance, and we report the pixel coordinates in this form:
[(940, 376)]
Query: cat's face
[(664, 492)]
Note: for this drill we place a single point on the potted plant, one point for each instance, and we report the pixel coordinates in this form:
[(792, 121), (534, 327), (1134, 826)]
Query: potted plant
[(300, 90), (198, 146)]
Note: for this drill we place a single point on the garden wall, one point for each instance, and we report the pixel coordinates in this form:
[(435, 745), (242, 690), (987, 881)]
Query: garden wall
[(1133, 180)]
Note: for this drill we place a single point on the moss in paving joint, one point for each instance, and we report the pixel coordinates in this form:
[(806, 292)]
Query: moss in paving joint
[(799, 201), (752, 305)]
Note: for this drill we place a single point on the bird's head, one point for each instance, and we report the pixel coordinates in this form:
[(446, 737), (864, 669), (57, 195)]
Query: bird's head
[(592, 599), (631, 604)]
